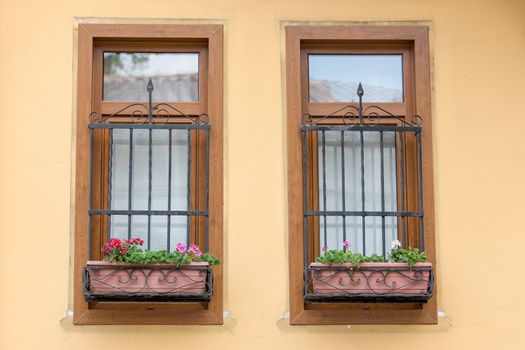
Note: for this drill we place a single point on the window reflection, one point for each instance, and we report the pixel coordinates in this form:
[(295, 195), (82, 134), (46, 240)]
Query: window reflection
[(174, 75), (334, 78)]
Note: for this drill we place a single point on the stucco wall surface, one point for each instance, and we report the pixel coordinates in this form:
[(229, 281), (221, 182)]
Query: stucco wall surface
[(478, 73)]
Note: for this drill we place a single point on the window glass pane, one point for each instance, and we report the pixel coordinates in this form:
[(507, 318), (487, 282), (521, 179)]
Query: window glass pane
[(334, 232), (139, 181), (159, 169), (332, 155), (334, 78), (179, 170), (119, 227), (139, 227), (178, 231), (159, 232), (175, 76), (120, 170), (332, 178)]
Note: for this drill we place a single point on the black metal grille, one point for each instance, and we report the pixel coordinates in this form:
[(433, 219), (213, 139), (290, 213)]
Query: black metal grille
[(356, 123), (150, 118)]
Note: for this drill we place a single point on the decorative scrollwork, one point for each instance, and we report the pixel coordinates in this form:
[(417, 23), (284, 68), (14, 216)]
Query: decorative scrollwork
[(358, 115), (108, 282), (382, 283), (142, 113)]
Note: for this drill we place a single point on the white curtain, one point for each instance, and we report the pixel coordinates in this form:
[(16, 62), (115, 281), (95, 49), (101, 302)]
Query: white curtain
[(159, 185), (333, 185)]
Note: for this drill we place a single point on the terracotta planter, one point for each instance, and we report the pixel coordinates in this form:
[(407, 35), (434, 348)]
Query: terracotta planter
[(105, 279), (371, 279)]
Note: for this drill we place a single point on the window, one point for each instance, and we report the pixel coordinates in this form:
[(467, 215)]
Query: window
[(153, 172), (365, 181)]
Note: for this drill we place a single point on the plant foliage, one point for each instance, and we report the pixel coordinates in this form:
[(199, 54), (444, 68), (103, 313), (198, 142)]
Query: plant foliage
[(410, 256), (129, 252)]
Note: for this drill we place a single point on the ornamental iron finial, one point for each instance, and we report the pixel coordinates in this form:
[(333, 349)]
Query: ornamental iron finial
[(150, 101), (360, 93)]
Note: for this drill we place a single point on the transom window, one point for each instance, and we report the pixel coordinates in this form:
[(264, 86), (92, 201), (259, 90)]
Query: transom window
[(335, 78), (174, 75)]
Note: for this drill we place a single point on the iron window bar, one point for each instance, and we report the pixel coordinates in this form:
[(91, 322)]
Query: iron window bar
[(359, 120), (150, 117)]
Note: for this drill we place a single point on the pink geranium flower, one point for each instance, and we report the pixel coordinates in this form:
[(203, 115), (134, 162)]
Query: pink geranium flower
[(136, 240), (181, 248), (194, 249), (347, 244)]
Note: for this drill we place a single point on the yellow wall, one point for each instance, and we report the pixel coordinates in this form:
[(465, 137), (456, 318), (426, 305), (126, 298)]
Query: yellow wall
[(478, 55)]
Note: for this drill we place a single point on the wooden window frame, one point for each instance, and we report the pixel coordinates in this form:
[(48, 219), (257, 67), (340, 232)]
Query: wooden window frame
[(347, 39), (203, 38)]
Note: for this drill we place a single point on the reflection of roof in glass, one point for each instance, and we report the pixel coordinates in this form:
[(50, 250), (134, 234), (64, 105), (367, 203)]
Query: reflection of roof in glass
[(171, 88), (338, 91)]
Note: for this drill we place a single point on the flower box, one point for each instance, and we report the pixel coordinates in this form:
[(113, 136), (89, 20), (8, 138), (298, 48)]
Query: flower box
[(107, 281), (382, 281)]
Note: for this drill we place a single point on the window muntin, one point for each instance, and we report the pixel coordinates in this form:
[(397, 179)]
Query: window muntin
[(335, 77), (175, 76)]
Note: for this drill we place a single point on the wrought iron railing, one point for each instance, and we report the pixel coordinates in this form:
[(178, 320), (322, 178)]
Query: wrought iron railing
[(369, 284), (156, 283), (150, 117), (121, 282), (335, 129)]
